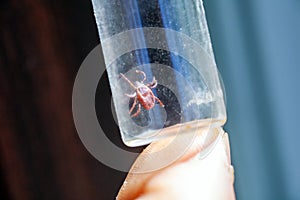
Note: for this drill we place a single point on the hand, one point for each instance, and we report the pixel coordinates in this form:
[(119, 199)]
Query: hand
[(209, 178)]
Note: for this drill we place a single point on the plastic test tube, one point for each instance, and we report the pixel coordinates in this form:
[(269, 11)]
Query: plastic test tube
[(161, 67)]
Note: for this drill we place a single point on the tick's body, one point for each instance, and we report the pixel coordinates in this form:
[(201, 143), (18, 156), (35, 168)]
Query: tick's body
[(143, 95)]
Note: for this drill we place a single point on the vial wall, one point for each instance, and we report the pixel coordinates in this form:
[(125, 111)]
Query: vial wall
[(161, 67)]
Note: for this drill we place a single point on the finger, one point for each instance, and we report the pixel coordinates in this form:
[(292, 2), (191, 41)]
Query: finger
[(210, 178), (159, 182), (132, 186)]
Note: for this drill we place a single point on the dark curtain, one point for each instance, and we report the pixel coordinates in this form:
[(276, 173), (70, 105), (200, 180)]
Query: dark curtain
[(42, 44)]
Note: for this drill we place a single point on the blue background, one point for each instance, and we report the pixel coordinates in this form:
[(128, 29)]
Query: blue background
[(257, 49)]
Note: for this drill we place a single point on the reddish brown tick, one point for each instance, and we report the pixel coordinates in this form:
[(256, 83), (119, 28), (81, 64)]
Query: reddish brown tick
[(143, 94)]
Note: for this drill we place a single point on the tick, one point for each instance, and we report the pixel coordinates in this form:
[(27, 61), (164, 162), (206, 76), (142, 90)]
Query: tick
[(143, 95)]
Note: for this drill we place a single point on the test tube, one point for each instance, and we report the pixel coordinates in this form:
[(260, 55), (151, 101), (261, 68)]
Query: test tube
[(161, 67)]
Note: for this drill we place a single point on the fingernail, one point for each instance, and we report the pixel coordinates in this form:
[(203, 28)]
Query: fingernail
[(226, 144)]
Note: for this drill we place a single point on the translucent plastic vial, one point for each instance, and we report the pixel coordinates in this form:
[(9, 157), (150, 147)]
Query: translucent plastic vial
[(161, 67)]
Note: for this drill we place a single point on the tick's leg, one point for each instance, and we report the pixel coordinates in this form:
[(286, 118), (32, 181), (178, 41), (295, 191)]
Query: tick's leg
[(133, 105), (143, 73), (153, 84), (159, 101), (131, 95), (127, 80), (137, 112)]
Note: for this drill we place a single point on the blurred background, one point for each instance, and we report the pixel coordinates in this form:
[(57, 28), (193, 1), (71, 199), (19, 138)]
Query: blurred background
[(42, 44)]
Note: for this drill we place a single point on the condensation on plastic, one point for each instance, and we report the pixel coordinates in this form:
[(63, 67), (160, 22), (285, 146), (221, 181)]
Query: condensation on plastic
[(169, 42)]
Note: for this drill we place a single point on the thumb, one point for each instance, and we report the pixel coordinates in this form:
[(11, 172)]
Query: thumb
[(187, 178)]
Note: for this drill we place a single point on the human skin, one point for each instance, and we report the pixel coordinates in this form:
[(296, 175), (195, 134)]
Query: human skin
[(188, 178)]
